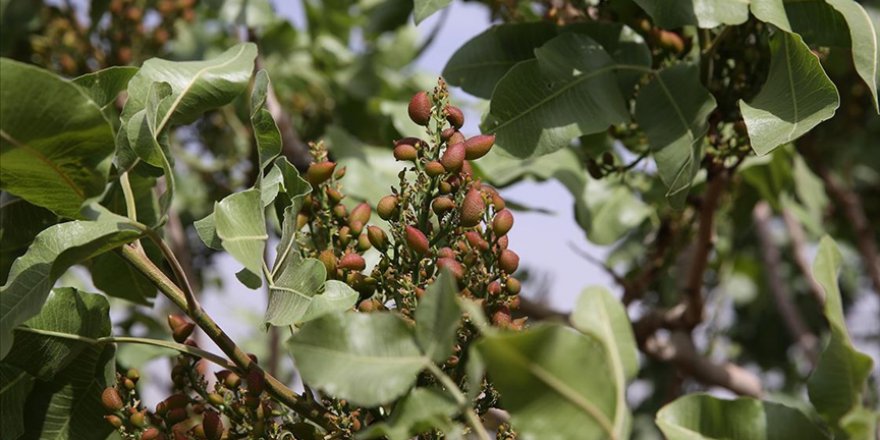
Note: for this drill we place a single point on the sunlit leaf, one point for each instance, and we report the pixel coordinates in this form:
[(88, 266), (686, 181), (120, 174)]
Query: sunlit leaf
[(704, 13), (437, 318)]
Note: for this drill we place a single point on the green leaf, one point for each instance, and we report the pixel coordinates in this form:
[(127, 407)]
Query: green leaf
[(815, 21), (570, 90), (248, 13), (265, 130), (368, 358), (423, 9), (206, 229), (836, 384), (55, 145), (865, 43), (437, 318), (701, 416), (422, 410), (554, 382), (796, 97), (15, 385), (112, 275), (241, 227), (704, 13), (105, 85), (53, 251), (371, 170), (66, 311), (20, 222), (480, 63), (292, 185), (861, 423), (598, 313), (673, 110), (626, 47), (291, 294), (337, 297), (608, 209)]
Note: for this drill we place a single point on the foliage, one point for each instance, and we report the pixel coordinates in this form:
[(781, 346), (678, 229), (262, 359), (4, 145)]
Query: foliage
[(696, 139)]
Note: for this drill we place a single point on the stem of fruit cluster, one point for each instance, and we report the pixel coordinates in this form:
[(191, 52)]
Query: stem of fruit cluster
[(241, 359), (472, 418)]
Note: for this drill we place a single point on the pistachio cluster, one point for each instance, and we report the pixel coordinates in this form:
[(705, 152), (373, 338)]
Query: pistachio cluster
[(235, 407)]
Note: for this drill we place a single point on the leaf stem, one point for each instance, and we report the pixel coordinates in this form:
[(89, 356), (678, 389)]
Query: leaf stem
[(285, 395), (192, 304), (128, 194), (472, 418)]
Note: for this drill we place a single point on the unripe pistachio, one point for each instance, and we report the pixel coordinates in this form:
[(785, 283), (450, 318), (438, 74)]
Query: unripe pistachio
[(670, 41), (416, 240), (133, 374), (508, 261), (175, 416), (344, 235), (326, 256), (444, 187), (319, 172), (334, 195), (367, 305), (420, 293), (129, 384), (340, 211), (301, 220), (594, 169), (434, 168), (472, 208), (114, 421), (453, 266), (476, 240), (502, 223), (111, 399), (466, 169), (216, 399), (494, 288), (455, 138), (356, 227), (139, 419), (420, 108), (180, 327), (377, 237), (447, 133), (446, 252), (454, 115), (150, 433), (230, 379), (512, 285), (340, 173), (361, 213), (352, 262), (386, 207), (175, 401), (453, 158), (502, 242), (406, 152), (513, 302), (442, 204), (256, 382), (364, 243), (477, 146), (414, 141)]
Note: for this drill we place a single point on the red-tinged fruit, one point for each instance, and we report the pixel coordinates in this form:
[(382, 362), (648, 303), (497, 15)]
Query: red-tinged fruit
[(406, 152), (447, 133), (508, 261), (476, 240), (356, 226), (466, 169), (472, 208), (453, 158), (320, 172), (513, 286), (454, 115), (420, 108), (139, 419), (377, 237), (452, 266), (387, 206), (150, 433), (434, 168), (442, 205), (494, 288), (477, 146), (329, 260), (212, 425), (361, 213), (352, 262), (416, 240), (446, 252), (111, 399), (502, 318), (181, 328), (502, 242), (114, 421), (256, 382), (502, 222), (175, 416), (455, 138)]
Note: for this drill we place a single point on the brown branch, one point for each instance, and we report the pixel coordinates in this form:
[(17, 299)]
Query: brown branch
[(851, 204), (702, 248), (679, 350), (799, 249), (315, 413), (791, 316)]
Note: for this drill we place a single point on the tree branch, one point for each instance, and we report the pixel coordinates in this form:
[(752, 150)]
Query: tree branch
[(799, 249), (702, 248), (791, 316), (316, 414)]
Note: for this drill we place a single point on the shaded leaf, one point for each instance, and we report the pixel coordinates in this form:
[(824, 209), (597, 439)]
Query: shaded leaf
[(700, 416), (112, 275), (599, 313), (673, 110), (368, 358), (291, 293), (569, 90), (423, 9), (105, 85), (20, 222), (337, 297), (835, 386), (541, 376), (704, 13), (422, 410), (865, 43), (53, 251), (15, 385), (437, 318), (607, 209), (796, 97), (266, 132), (626, 47), (55, 145)]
